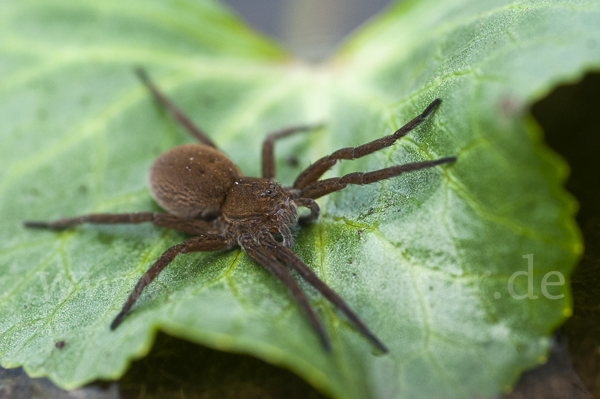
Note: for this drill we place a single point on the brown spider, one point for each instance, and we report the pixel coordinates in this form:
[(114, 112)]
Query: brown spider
[(206, 195)]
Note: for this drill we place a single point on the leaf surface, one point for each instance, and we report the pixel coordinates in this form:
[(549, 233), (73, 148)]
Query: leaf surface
[(425, 259)]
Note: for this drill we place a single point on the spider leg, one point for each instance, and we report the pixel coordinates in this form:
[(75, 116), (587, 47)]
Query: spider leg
[(268, 156), (288, 257), (204, 243), (317, 169), (286, 234), (176, 113), (270, 263), (188, 226), (310, 204), (328, 186)]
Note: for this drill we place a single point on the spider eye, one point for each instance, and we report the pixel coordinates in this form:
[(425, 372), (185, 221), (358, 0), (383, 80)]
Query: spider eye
[(262, 194), (269, 192)]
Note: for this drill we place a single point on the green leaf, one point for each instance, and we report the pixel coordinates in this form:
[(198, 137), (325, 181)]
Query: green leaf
[(421, 258)]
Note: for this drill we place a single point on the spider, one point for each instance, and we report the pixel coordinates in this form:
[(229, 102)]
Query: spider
[(207, 196)]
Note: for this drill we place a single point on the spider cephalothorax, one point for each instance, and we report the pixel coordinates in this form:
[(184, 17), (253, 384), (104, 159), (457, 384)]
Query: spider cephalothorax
[(206, 195), (254, 204)]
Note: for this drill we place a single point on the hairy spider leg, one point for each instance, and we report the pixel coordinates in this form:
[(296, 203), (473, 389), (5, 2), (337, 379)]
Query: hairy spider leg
[(288, 257), (328, 186), (203, 243), (176, 113), (263, 256), (189, 226), (310, 204), (286, 235), (268, 156), (317, 169)]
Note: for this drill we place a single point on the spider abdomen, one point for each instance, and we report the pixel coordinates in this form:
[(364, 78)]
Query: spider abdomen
[(192, 180)]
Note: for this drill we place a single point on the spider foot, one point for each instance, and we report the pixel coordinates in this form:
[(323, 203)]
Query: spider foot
[(118, 320)]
